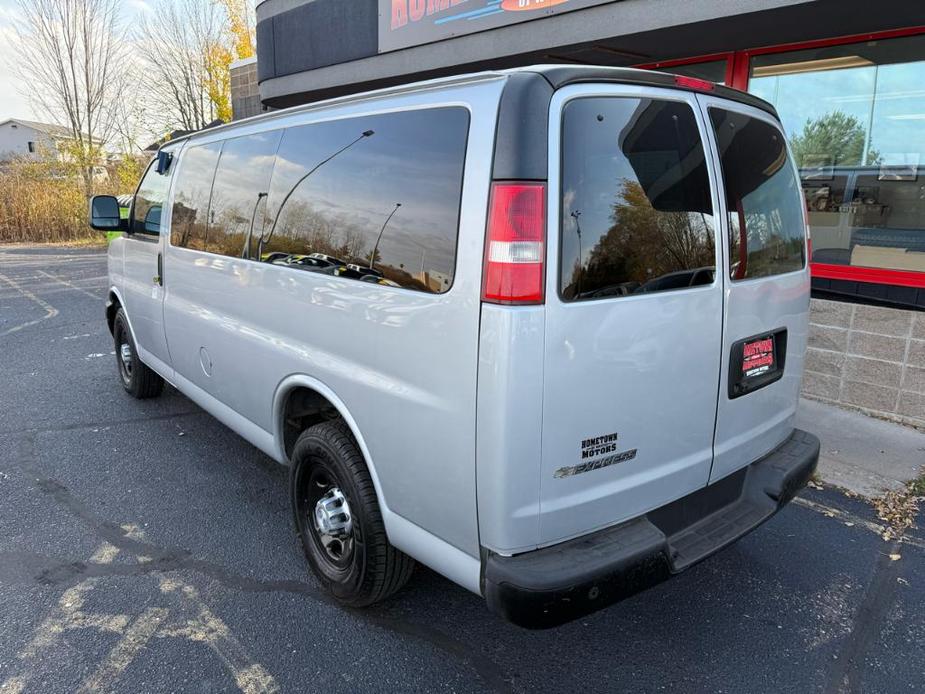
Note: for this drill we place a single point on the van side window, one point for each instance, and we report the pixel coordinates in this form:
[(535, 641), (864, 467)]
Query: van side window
[(236, 213), (149, 201), (374, 198), (191, 200), (763, 197), (637, 215)]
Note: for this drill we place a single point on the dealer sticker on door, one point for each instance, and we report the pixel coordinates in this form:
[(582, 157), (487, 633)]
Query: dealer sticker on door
[(597, 452), (758, 357)]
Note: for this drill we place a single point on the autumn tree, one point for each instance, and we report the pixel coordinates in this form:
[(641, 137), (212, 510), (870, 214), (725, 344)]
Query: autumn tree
[(240, 26), (70, 53), (177, 41), (644, 243), (187, 47)]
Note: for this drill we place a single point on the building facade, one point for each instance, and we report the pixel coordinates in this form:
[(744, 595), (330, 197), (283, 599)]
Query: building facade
[(847, 78), (245, 95), (24, 139)]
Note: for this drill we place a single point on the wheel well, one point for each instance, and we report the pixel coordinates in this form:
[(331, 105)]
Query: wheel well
[(112, 305), (303, 408)]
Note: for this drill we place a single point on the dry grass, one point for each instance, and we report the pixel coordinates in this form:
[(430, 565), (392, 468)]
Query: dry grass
[(41, 210), (45, 202)]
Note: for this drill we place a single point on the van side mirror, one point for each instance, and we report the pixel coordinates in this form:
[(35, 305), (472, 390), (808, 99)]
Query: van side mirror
[(104, 214), (153, 220)]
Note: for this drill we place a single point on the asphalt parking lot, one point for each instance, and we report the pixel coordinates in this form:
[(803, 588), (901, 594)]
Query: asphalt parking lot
[(145, 547)]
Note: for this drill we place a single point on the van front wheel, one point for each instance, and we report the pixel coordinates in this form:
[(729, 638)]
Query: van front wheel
[(338, 519), (137, 379)]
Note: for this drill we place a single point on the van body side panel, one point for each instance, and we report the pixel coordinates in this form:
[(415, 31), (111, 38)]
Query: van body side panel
[(403, 362), (115, 264), (510, 422)]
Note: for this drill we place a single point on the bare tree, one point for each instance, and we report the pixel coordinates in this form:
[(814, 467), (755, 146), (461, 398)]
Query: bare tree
[(69, 54), (178, 42)]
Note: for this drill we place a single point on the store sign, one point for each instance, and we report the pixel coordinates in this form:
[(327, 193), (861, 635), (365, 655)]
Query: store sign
[(404, 23)]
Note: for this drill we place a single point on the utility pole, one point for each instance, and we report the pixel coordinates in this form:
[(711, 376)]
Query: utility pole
[(372, 256)]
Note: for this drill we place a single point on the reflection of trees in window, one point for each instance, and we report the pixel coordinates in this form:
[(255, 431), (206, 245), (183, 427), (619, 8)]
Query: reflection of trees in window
[(643, 245), (189, 226), (304, 229), (151, 194), (380, 193), (835, 139)]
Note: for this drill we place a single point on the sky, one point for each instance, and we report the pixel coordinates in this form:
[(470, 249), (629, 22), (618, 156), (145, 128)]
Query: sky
[(13, 100)]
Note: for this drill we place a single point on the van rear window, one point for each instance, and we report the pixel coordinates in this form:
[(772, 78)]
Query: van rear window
[(637, 215), (763, 197)]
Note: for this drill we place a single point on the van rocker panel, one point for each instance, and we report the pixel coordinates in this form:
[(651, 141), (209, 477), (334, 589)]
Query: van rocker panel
[(550, 586)]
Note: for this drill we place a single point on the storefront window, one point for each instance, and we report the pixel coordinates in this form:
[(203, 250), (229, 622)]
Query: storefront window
[(714, 70), (855, 118)]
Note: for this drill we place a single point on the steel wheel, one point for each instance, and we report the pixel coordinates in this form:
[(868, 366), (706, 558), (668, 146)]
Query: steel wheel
[(338, 519), (325, 518), (125, 359)]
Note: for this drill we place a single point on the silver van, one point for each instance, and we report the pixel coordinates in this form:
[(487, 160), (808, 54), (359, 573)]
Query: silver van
[(541, 330)]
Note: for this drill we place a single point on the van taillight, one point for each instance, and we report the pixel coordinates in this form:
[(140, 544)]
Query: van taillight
[(694, 83), (515, 244)]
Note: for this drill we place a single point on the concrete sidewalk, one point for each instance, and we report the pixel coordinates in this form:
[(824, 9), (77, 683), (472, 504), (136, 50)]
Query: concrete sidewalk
[(862, 454)]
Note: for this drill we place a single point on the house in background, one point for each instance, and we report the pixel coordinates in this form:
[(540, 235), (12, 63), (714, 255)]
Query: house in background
[(26, 138)]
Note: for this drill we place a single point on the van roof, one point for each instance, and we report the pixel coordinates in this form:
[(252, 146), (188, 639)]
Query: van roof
[(554, 76)]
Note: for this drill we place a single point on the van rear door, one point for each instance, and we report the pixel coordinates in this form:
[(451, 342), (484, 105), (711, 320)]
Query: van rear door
[(634, 306), (767, 283)]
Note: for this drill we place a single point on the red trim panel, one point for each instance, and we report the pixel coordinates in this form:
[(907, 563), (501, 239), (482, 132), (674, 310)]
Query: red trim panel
[(852, 273), (709, 58), (838, 41)]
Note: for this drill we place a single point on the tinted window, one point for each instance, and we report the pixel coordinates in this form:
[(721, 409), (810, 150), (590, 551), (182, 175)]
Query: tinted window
[(239, 194), (373, 199), (763, 197), (636, 210), (149, 201), (191, 201)]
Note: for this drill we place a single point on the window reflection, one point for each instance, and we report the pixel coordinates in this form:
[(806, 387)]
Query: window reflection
[(152, 192), (374, 199), (766, 234), (189, 223), (854, 115), (636, 210), (237, 210)]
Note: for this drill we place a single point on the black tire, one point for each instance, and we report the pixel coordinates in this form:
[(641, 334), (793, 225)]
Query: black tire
[(137, 379), (326, 457)]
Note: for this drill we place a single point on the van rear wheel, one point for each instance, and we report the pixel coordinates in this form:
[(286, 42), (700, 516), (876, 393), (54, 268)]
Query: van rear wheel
[(137, 379), (338, 520)]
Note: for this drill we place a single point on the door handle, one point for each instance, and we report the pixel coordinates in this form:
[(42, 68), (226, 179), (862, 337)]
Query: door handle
[(159, 277)]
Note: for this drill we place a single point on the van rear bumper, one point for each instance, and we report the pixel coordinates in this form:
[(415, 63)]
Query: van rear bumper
[(550, 586)]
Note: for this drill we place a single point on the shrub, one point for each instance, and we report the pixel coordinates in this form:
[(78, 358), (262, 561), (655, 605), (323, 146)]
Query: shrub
[(44, 201)]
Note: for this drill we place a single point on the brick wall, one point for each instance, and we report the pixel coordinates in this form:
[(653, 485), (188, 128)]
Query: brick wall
[(245, 94), (869, 358)]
